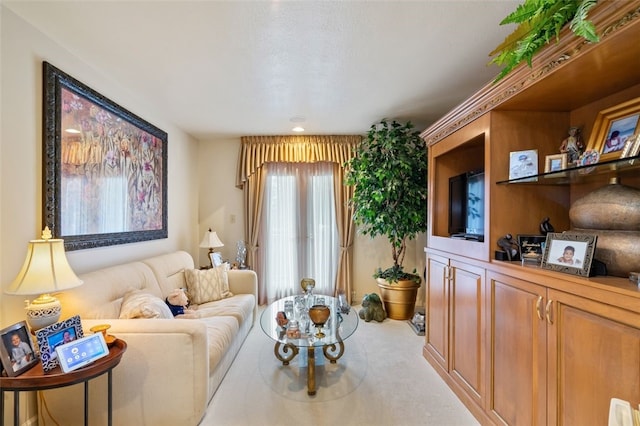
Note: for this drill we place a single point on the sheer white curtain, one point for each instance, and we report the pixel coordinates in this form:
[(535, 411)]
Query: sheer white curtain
[(299, 236)]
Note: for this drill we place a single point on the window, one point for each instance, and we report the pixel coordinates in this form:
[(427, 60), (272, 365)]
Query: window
[(299, 236)]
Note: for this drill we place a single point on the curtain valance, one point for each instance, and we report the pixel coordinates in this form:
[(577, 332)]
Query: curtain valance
[(257, 150)]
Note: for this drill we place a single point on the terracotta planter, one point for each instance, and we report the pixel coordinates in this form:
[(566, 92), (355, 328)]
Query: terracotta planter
[(399, 299)]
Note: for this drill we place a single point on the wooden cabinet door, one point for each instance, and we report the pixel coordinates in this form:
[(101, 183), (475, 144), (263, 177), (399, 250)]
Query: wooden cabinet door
[(517, 360), (594, 355), (437, 310), (467, 328)]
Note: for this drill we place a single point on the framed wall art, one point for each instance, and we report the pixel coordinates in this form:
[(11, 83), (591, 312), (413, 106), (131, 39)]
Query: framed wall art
[(105, 168), (16, 349), (612, 128), (55, 335), (569, 253)]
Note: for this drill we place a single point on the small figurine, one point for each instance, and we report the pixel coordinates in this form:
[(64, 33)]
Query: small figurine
[(507, 244), (545, 226), (572, 145)]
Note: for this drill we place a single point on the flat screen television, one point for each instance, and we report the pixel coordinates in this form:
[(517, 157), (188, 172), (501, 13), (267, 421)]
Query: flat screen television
[(466, 206)]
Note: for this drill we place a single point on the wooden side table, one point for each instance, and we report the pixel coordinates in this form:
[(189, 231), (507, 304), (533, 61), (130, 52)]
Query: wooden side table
[(35, 380)]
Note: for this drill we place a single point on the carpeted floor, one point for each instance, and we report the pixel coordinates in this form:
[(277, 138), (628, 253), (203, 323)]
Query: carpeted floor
[(382, 379)]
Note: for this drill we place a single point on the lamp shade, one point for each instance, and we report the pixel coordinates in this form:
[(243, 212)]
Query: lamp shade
[(211, 240), (45, 270)]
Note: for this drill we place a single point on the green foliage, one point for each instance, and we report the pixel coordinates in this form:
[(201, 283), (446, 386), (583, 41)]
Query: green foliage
[(389, 172), (540, 21), (396, 273)]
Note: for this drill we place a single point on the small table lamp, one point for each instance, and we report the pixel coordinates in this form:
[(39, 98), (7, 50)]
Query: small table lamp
[(211, 241), (45, 270)]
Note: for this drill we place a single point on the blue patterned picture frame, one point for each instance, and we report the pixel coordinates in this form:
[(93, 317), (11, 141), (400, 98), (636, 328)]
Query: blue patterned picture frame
[(54, 335)]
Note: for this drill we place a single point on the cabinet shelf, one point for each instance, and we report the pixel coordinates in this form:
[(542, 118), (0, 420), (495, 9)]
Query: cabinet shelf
[(579, 173)]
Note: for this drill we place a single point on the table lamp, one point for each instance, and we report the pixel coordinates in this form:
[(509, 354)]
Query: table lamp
[(211, 241), (45, 270)]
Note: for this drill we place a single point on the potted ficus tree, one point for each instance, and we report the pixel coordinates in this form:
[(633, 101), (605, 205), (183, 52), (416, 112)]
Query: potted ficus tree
[(389, 175)]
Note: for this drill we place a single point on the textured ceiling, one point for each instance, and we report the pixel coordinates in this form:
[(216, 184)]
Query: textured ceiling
[(233, 68)]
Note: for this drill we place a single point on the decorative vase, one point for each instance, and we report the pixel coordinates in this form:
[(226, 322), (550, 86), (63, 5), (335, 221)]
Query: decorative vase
[(613, 214), (319, 315), (307, 284), (399, 298)]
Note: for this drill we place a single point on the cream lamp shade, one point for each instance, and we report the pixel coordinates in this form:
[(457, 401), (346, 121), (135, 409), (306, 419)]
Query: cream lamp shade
[(211, 241), (45, 270)]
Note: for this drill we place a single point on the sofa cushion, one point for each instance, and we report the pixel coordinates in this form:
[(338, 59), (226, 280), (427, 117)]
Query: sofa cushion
[(221, 332), (207, 285), (240, 306), (139, 304)]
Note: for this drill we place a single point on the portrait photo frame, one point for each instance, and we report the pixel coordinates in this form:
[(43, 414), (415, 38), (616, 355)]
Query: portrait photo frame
[(523, 164), (555, 163), (104, 168), (569, 253), (215, 258), (17, 358), (50, 337), (612, 127)]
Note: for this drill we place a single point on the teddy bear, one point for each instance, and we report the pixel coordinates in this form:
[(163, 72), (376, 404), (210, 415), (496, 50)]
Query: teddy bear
[(178, 302), (372, 308)]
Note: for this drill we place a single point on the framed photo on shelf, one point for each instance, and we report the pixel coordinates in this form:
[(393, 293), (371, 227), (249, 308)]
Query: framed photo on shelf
[(16, 349), (569, 253), (55, 335), (523, 164), (104, 168), (555, 162), (531, 248), (613, 127)]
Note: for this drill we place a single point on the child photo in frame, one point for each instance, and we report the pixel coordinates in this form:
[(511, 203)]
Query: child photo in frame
[(55, 335), (569, 253), (17, 351)]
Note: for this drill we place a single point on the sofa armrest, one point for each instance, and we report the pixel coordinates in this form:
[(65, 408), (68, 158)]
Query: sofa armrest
[(166, 365), (244, 281)]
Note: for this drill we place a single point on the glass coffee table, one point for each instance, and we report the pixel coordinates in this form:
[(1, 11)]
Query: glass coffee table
[(339, 326)]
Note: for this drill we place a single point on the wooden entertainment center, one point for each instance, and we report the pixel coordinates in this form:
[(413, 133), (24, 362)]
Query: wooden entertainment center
[(522, 345)]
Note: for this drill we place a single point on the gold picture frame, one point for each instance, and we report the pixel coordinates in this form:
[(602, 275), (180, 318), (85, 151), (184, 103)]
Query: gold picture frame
[(612, 128), (555, 162)]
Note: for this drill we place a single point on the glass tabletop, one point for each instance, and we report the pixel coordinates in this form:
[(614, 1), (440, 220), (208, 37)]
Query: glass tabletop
[(338, 327)]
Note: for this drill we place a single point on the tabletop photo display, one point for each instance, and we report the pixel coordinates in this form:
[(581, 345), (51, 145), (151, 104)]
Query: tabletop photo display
[(16, 349), (55, 335)]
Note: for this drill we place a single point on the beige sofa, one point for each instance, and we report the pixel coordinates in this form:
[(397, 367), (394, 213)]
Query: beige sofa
[(172, 367)]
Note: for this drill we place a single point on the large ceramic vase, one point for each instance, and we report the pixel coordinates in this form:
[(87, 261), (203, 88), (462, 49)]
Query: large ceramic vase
[(399, 298), (613, 214)]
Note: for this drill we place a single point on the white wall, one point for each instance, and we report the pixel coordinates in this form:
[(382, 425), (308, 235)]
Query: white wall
[(221, 203), (22, 49)]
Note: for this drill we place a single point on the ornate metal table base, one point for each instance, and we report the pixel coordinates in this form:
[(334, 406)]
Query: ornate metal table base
[(286, 352)]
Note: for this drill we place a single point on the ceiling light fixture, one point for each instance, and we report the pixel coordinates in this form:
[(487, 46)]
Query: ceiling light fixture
[(298, 120)]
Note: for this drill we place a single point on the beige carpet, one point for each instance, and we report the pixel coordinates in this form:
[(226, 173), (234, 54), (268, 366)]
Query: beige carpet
[(382, 379)]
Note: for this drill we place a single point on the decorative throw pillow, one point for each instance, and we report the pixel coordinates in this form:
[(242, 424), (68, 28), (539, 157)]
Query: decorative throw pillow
[(138, 304), (208, 285)]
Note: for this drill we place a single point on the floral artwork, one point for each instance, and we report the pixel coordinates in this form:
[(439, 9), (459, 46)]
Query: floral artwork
[(111, 171), (110, 167)]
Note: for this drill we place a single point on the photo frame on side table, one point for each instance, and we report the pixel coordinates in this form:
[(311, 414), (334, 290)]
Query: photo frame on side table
[(569, 253), (55, 335), (104, 168), (16, 349), (612, 128)]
